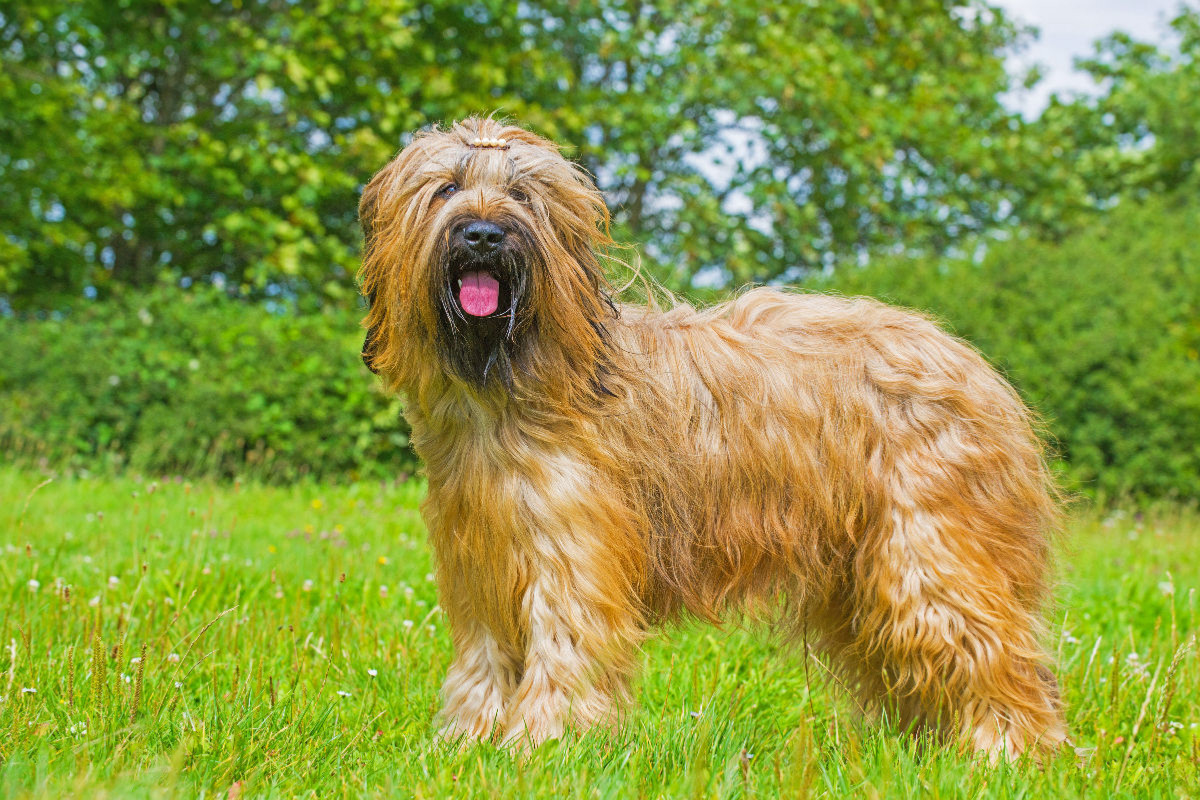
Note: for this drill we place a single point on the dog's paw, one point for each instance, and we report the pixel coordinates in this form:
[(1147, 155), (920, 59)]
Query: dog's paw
[(527, 734), (459, 736)]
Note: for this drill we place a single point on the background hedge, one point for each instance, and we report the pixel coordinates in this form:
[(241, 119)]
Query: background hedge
[(1100, 332), (190, 382)]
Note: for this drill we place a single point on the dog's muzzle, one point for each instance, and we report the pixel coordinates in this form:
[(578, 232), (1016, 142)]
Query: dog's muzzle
[(482, 265), (478, 290)]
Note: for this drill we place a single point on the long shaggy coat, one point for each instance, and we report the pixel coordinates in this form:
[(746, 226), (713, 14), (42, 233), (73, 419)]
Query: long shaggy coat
[(840, 467)]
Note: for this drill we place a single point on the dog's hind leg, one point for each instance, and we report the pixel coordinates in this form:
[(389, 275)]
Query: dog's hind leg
[(953, 643)]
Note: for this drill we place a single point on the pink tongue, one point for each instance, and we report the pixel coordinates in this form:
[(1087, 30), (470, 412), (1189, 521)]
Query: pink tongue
[(479, 294)]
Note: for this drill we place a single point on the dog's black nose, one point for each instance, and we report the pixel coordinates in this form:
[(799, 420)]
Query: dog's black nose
[(482, 237)]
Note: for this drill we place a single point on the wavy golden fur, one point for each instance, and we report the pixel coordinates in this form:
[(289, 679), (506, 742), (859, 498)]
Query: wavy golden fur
[(837, 465)]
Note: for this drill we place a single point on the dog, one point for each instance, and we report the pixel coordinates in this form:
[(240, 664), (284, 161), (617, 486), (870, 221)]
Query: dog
[(838, 467)]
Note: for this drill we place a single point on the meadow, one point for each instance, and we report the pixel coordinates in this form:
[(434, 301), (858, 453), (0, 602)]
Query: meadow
[(165, 638)]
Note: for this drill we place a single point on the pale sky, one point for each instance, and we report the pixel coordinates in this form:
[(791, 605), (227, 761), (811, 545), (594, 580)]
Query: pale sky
[(1068, 30)]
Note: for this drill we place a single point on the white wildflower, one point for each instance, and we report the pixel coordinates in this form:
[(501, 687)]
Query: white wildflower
[(34, 584)]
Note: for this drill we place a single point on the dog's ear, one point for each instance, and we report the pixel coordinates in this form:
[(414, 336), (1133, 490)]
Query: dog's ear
[(367, 205), (366, 219), (371, 342)]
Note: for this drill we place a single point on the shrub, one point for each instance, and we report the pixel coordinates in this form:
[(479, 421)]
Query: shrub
[(190, 382), (1100, 332)]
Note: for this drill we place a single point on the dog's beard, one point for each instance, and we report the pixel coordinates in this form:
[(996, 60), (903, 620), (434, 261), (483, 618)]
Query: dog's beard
[(477, 345)]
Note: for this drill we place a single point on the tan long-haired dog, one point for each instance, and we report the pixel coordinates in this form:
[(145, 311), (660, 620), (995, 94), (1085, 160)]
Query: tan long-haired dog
[(595, 469)]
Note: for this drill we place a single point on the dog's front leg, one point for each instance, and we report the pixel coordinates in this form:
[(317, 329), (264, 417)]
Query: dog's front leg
[(580, 608), (578, 662), (481, 679)]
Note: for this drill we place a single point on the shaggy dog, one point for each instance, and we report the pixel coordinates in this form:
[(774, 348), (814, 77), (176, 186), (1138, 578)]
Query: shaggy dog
[(846, 468)]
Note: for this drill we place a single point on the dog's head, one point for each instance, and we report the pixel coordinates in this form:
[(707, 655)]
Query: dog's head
[(479, 241)]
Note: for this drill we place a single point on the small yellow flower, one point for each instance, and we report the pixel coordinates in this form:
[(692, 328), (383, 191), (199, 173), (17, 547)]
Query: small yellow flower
[(271, 548), (383, 560), (318, 504), (339, 528)]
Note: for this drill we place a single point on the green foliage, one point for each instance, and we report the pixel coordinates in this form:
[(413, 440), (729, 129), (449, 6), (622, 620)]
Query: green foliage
[(223, 141), (308, 650), (226, 138), (1138, 137), (745, 142), (173, 382), (1100, 332)]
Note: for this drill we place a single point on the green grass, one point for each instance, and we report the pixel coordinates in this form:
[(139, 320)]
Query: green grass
[(290, 640)]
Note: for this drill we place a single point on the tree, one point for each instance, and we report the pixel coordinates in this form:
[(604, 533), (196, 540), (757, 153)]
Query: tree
[(216, 139), (1139, 136), (748, 142), (225, 139)]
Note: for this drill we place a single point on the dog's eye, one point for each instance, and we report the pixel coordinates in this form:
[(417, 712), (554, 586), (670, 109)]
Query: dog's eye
[(518, 195), (445, 192)]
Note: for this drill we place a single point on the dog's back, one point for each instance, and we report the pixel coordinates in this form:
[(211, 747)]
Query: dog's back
[(804, 424)]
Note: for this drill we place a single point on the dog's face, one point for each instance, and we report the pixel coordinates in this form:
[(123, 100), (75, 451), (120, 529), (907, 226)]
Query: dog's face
[(478, 240)]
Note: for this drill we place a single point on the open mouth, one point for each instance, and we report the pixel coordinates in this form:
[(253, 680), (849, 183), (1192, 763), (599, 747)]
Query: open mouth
[(480, 302), (478, 293), (482, 289)]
